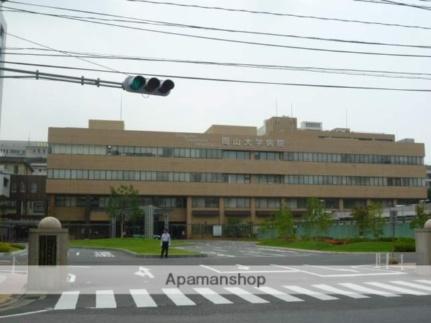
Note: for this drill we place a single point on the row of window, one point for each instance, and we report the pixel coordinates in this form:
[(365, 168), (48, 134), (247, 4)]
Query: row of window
[(22, 187), (159, 176), (102, 201), (233, 154), (213, 202)]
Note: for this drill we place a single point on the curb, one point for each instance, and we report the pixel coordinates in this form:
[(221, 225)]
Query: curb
[(138, 255), (335, 252)]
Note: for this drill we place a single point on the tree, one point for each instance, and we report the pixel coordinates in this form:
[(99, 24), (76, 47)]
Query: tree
[(421, 217), (124, 204), (317, 219), (360, 215), (375, 219), (284, 224)]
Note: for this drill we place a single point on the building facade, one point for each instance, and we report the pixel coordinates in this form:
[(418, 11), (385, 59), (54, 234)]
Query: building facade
[(2, 56), (24, 200), (228, 173)]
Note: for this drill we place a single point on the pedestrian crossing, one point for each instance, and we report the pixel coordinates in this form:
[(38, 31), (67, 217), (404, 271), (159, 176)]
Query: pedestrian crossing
[(141, 298)]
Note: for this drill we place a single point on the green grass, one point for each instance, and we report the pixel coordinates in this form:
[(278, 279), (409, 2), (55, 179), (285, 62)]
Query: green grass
[(353, 246), (137, 245), (9, 247)]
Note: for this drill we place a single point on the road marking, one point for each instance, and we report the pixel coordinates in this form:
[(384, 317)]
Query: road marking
[(242, 267), (336, 290), (142, 298), (212, 296), (413, 285), (143, 272), (368, 290), (336, 269), (103, 254), (318, 295), (67, 301), (245, 295), (178, 297), (71, 278), (278, 294), (105, 299), (26, 313), (424, 281), (397, 289)]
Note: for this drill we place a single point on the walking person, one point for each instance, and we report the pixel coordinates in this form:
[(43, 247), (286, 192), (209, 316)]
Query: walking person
[(165, 242)]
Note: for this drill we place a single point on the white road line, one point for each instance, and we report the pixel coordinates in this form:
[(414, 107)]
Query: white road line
[(105, 299), (67, 301), (424, 281), (245, 295), (142, 298), (318, 295), (212, 296), (278, 294), (26, 313), (413, 285), (336, 290), (368, 290), (400, 290), (178, 297)]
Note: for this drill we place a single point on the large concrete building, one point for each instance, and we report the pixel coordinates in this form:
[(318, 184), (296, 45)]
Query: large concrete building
[(228, 172)]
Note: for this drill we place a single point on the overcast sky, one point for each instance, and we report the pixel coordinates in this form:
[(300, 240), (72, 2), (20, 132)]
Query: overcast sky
[(29, 107)]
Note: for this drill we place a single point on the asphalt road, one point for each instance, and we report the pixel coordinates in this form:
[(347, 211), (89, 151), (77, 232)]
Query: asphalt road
[(300, 287)]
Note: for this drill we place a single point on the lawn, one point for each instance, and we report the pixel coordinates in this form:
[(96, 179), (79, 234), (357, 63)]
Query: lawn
[(349, 246), (137, 245), (9, 247)]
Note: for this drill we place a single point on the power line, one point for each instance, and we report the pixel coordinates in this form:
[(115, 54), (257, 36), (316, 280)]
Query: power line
[(272, 13), (198, 27), (59, 51), (98, 82), (397, 3), (250, 42), (354, 72)]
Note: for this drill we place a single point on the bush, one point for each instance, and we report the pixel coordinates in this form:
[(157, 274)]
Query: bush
[(8, 247), (404, 246)]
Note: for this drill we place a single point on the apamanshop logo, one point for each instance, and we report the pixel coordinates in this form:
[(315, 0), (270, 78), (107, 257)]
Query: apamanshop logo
[(216, 280)]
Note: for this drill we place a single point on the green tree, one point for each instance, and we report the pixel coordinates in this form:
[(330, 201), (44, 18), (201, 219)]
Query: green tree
[(421, 217), (317, 219), (284, 224), (361, 216), (375, 219), (123, 204)]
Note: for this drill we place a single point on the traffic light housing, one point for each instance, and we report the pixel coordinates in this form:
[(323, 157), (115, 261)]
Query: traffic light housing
[(152, 86)]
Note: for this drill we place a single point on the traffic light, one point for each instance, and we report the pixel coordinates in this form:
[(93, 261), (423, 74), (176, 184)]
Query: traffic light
[(152, 86)]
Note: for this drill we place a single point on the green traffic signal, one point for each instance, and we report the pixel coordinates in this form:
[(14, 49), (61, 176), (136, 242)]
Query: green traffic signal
[(137, 83)]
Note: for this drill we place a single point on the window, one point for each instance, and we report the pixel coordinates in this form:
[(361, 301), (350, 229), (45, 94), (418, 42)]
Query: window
[(34, 187)]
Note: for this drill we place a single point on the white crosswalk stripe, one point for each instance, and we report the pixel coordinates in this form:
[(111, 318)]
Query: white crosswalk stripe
[(396, 289), (105, 299), (279, 294), (367, 290), (335, 290), (178, 297), (67, 301), (308, 292), (412, 285), (424, 281), (246, 295), (142, 298), (212, 296)]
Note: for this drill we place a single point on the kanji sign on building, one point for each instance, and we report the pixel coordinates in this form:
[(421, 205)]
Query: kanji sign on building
[(252, 142)]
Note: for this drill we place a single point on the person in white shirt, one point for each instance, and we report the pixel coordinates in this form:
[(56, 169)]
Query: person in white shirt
[(165, 242)]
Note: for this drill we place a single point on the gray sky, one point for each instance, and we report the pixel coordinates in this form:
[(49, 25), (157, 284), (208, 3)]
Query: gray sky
[(30, 106)]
